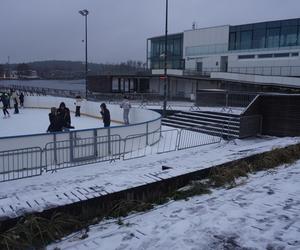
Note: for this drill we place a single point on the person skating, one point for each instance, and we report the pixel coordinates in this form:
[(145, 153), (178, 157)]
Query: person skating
[(16, 106), (21, 97), (77, 103), (105, 115), (126, 106), (55, 124), (5, 101), (64, 117)]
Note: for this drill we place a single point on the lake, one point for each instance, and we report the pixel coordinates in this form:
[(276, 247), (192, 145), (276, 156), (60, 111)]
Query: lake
[(52, 84)]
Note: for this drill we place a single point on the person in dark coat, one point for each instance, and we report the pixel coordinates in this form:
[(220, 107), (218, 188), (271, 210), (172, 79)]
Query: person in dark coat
[(105, 115), (5, 102), (77, 103), (16, 106), (21, 98), (63, 114), (55, 125)]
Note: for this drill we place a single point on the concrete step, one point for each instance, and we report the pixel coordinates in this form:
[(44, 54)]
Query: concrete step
[(203, 124), (211, 114), (204, 120), (201, 130), (210, 127)]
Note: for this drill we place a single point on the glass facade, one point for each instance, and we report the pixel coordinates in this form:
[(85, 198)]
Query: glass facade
[(174, 52), (274, 34)]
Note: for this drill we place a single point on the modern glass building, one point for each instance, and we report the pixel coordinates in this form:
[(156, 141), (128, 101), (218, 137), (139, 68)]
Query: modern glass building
[(275, 34), (156, 51), (266, 48)]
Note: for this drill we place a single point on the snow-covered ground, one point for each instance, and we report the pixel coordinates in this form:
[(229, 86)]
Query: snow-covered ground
[(34, 121), (263, 213), (84, 182)]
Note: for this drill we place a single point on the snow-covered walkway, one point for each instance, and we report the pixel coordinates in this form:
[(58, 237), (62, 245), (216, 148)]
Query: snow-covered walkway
[(81, 183), (264, 213)]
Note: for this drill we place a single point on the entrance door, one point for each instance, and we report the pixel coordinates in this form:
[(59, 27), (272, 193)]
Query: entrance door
[(224, 63), (199, 67)]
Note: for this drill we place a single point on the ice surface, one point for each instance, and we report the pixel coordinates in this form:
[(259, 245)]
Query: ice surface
[(34, 121)]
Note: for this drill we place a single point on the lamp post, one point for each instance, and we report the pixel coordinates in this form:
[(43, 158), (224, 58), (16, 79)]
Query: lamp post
[(85, 14), (165, 64)]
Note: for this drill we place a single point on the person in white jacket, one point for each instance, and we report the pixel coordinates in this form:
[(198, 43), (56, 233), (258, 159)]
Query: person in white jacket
[(126, 106)]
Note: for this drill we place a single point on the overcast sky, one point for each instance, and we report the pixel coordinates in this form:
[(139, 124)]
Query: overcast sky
[(32, 30)]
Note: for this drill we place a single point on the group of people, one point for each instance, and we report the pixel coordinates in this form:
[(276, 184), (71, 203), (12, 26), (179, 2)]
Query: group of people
[(125, 105), (6, 97), (60, 119)]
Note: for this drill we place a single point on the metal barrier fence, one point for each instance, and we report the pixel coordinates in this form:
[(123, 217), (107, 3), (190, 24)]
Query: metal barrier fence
[(78, 151), (224, 98), (191, 139), (20, 163), (28, 162), (157, 142), (29, 90), (167, 141)]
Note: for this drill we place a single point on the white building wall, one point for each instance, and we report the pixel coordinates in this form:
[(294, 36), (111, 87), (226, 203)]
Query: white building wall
[(292, 61), (210, 39)]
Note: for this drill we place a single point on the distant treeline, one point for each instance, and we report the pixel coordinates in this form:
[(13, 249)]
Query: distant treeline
[(72, 69)]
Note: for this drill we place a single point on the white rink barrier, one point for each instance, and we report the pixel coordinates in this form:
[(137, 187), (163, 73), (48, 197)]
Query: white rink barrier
[(142, 121)]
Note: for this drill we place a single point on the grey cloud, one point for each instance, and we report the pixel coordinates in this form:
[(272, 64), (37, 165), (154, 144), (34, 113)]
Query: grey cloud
[(52, 29)]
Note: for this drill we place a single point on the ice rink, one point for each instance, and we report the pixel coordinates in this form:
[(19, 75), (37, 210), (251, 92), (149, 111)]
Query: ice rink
[(35, 121)]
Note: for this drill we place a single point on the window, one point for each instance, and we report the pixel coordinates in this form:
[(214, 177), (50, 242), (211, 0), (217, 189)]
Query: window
[(246, 56), (288, 36), (282, 55), (246, 39), (259, 38), (232, 40), (177, 47), (265, 56), (295, 54), (273, 37)]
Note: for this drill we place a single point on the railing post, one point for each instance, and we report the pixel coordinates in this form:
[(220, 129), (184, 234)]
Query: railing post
[(109, 141), (55, 149), (95, 143), (147, 134), (226, 100), (71, 147)]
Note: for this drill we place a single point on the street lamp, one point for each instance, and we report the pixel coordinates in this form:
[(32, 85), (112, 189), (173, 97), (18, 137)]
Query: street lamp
[(85, 14), (166, 65)]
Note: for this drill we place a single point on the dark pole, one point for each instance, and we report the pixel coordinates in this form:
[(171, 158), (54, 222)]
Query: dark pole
[(85, 14), (86, 58), (165, 68)]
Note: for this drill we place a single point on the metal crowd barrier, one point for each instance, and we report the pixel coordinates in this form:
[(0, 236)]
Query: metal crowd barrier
[(20, 163), (28, 162), (78, 151)]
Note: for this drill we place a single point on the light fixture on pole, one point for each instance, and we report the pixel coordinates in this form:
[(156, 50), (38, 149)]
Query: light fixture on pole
[(166, 64), (85, 14)]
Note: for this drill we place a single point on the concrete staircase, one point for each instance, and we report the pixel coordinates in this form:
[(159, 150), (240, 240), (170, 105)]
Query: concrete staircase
[(226, 125)]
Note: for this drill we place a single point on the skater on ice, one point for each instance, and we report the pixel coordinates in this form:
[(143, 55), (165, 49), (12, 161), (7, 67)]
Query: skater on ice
[(64, 117), (21, 98), (105, 115), (77, 103), (5, 103), (126, 106), (55, 124)]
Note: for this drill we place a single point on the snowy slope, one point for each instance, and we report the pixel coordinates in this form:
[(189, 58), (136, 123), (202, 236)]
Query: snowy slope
[(264, 213)]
